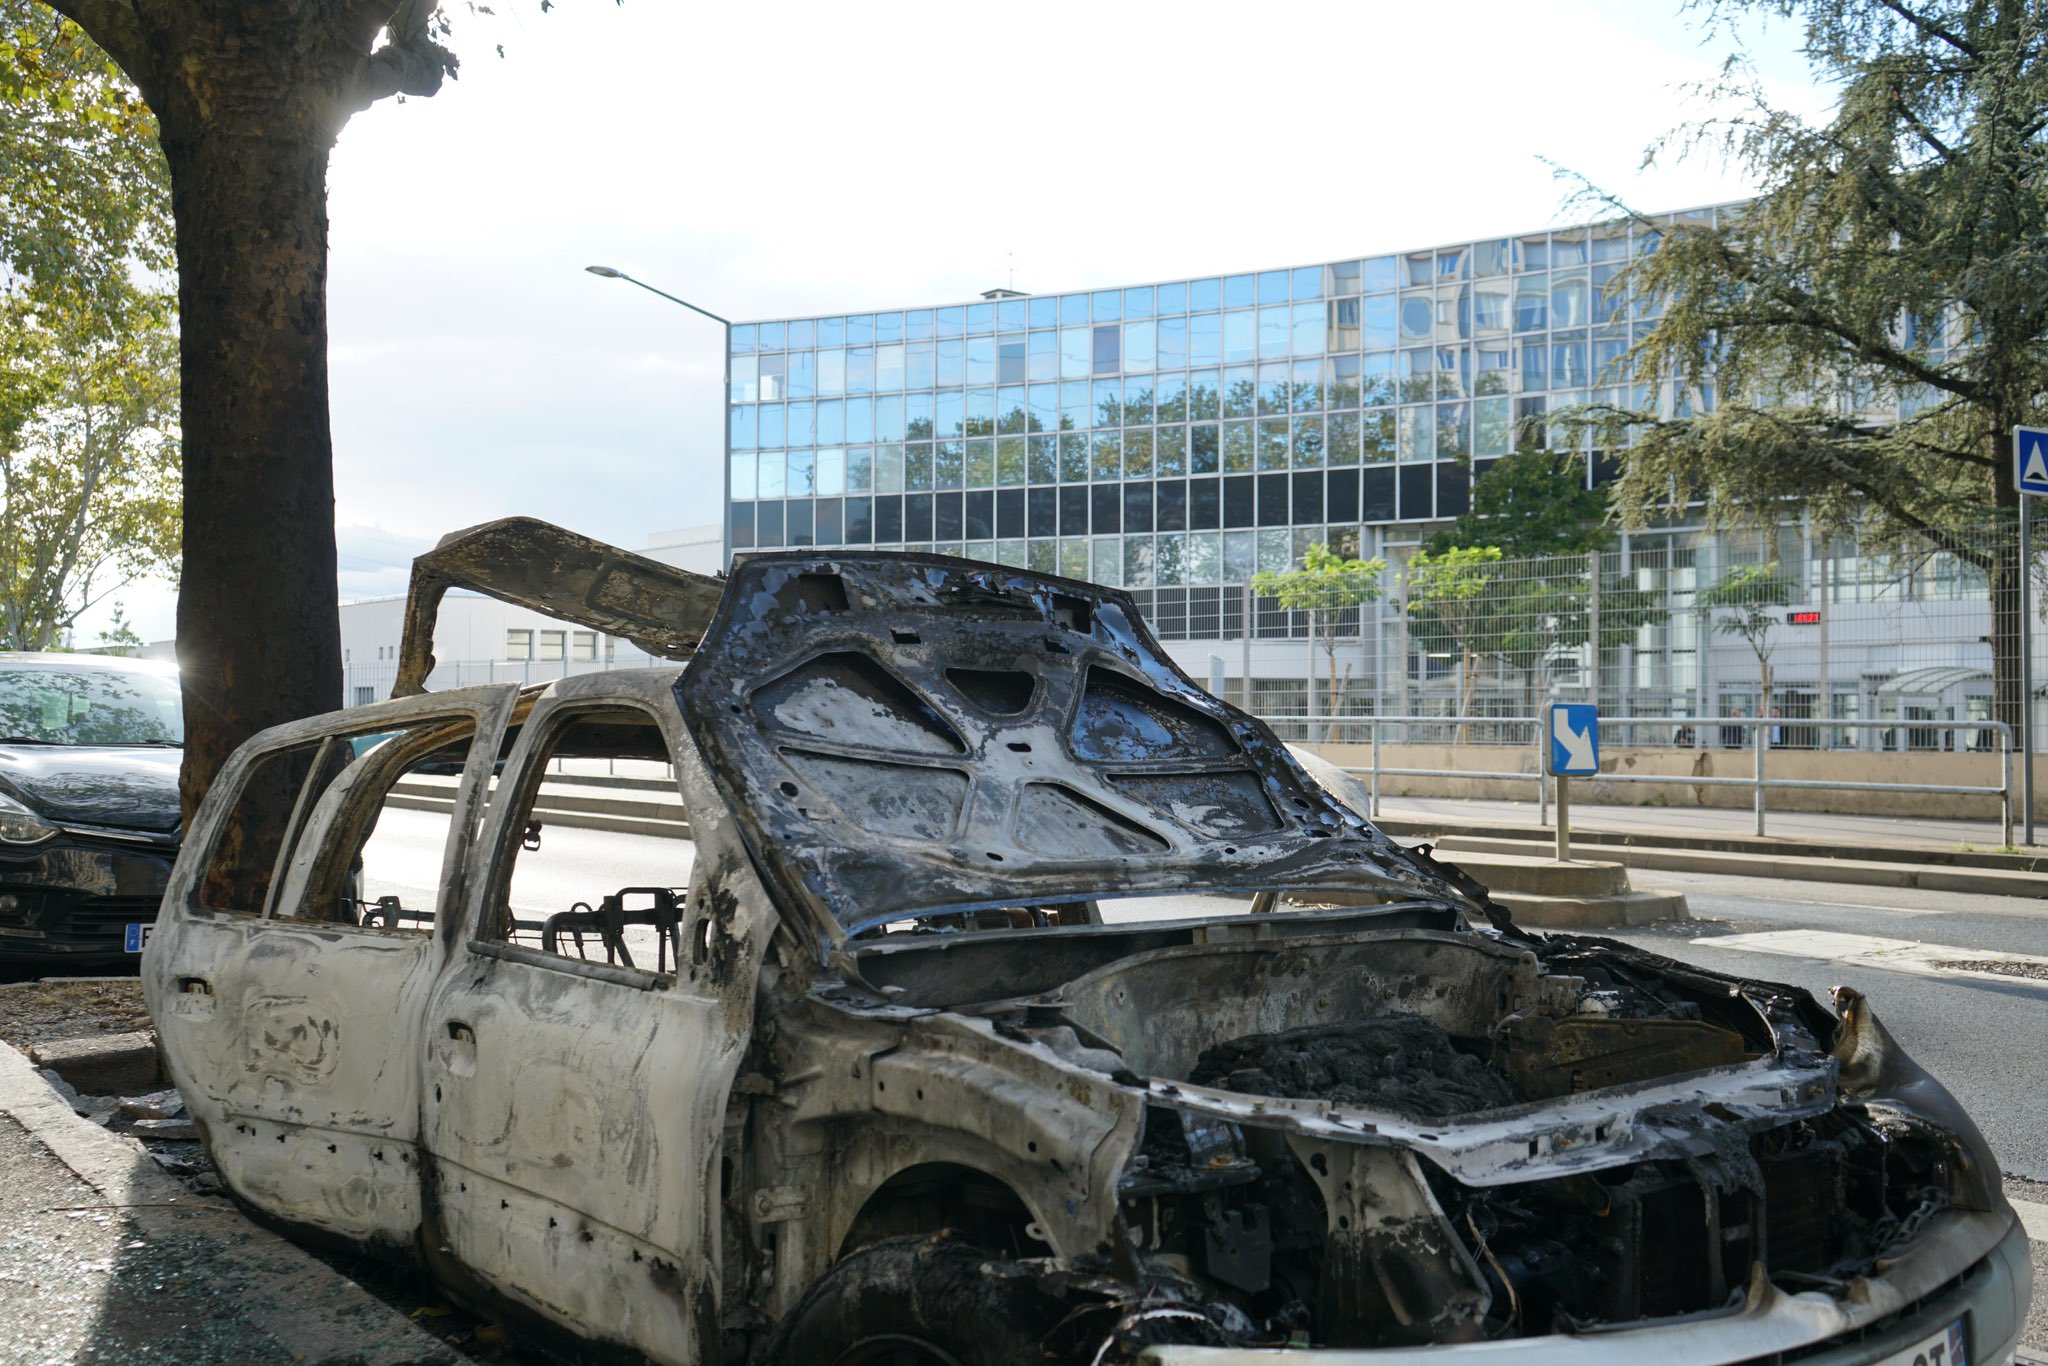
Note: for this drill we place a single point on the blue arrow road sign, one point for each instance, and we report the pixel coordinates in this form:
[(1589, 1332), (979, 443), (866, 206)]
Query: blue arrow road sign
[(2030, 459), (1574, 739)]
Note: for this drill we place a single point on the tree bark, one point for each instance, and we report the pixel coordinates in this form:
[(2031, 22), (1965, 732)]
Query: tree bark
[(259, 636)]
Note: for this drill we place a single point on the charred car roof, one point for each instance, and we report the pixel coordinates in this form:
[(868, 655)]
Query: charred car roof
[(904, 734)]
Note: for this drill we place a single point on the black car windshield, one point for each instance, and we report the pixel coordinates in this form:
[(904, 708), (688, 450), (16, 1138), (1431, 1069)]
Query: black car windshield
[(58, 704)]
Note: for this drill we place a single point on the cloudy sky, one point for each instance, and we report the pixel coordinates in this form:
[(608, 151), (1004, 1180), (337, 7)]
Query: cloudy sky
[(764, 161)]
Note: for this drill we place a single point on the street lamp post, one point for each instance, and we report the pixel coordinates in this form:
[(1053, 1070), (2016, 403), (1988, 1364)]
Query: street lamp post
[(724, 401)]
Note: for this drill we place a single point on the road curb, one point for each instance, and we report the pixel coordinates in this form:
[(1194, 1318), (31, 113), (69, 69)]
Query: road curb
[(1780, 867), (312, 1311)]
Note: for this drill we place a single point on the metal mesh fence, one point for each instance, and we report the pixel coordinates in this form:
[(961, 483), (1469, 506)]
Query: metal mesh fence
[(1710, 630), (1792, 628)]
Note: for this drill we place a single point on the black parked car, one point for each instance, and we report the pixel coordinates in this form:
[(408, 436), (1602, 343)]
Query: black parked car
[(89, 754)]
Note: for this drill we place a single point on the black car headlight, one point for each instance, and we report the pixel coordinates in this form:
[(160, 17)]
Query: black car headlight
[(19, 825)]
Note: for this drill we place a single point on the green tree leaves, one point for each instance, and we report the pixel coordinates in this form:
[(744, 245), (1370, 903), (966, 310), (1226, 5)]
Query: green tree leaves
[(89, 479)]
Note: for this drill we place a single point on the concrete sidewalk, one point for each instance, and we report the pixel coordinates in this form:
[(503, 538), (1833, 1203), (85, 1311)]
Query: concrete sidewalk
[(110, 1259), (1847, 832)]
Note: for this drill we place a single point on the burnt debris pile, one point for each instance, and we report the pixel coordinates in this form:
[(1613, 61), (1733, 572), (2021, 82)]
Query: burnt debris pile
[(1401, 1063)]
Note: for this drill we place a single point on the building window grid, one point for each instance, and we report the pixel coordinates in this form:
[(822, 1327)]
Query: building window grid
[(1320, 397)]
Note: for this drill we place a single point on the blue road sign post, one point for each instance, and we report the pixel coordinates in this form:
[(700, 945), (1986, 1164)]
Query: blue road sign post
[(1574, 750), (2030, 477)]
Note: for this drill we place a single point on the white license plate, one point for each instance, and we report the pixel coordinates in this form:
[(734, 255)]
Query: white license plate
[(1946, 1348), (136, 937)]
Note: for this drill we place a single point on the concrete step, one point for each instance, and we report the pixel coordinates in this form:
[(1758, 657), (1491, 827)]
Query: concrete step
[(1411, 828), (1597, 912), (1539, 876), (1782, 867)]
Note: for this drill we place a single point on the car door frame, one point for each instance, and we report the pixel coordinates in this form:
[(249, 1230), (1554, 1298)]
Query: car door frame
[(294, 1041), (530, 1054)]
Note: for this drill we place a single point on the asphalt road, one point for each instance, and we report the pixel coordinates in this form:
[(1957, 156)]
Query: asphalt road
[(1982, 1036)]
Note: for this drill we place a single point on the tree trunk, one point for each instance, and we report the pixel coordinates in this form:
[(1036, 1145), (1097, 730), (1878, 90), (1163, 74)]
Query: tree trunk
[(259, 637)]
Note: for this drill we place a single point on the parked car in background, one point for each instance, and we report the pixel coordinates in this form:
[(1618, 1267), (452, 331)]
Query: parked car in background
[(1013, 1000), (89, 754)]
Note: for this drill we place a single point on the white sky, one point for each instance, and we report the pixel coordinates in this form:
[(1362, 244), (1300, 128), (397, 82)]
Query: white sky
[(814, 158)]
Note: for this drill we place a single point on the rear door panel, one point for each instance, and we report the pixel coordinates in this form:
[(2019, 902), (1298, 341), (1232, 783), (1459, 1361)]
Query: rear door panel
[(295, 1041)]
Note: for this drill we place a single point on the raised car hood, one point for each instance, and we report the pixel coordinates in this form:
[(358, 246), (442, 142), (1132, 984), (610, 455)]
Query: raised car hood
[(906, 734), (127, 787)]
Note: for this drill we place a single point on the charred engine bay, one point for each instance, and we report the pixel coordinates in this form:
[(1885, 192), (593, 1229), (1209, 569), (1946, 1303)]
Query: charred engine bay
[(1398, 1063), (1278, 1239)]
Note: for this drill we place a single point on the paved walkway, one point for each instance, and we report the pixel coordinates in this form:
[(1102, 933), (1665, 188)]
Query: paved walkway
[(1849, 831), (109, 1259)]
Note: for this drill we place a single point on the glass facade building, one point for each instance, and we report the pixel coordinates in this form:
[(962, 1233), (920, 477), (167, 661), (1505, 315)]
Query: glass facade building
[(1175, 438)]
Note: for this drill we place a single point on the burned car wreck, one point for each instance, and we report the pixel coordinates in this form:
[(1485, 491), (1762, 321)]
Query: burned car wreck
[(1021, 1002)]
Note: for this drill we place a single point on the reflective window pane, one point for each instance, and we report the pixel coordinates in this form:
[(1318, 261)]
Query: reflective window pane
[(952, 352), (1170, 341), (1532, 303), (1309, 325), (1377, 321), (1077, 352), (1140, 346), (981, 360)]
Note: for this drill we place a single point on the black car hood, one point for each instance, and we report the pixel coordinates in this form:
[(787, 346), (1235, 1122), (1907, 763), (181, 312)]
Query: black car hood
[(127, 787), (902, 734)]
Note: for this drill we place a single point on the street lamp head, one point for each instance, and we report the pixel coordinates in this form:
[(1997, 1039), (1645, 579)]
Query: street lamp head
[(607, 272)]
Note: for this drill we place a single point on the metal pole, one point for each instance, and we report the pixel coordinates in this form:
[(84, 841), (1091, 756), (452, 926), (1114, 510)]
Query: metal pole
[(2005, 793), (1564, 819), (1375, 767), (725, 470), (2026, 717), (1827, 693), (1763, 736), (1542, 768), (1593, 622), (1245, 683)]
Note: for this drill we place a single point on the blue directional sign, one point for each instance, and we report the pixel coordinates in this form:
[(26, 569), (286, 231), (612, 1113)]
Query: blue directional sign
[(1574, 739), (2030, 459)]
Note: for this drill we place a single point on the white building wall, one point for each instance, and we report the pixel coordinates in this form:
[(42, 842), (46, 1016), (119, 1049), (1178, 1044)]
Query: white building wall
[(473, 633)]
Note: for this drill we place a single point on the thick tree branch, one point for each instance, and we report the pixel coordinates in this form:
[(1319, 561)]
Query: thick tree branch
[(1927, 28), (409, 63)]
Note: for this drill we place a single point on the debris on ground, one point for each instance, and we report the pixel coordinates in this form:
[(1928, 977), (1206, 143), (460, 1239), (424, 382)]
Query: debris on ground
[(1401, 1063), (2003, 967), (34, 1013)]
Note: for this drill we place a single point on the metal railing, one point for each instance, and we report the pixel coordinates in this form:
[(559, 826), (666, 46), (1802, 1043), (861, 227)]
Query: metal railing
[(1760, 782)]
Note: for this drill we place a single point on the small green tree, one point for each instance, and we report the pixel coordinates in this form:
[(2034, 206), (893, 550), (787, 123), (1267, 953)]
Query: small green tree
[(1451, 592), (88, 464), (1327, 586), (120, 637), (1747, 594), (1534, 502)]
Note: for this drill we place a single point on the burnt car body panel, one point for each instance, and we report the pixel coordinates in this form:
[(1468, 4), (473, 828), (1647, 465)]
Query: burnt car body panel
[(1381, 1129), (922, 734)]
